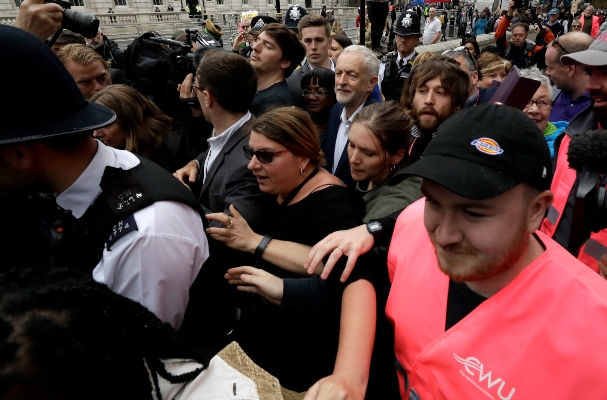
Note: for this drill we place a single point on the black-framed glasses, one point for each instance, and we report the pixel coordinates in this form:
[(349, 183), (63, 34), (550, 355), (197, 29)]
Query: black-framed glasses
[(317, 94), (541, 104), (264, 157), (556, 42)]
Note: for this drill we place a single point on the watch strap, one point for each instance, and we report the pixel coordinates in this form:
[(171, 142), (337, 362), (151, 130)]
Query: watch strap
[(263, 244)]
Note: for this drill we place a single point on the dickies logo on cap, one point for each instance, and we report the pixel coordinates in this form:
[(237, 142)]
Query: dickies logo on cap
[(462, 159), (487, 146)]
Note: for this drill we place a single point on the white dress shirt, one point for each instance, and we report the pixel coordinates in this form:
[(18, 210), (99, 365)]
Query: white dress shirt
[(342, 135), (216, 143), (156, 264)]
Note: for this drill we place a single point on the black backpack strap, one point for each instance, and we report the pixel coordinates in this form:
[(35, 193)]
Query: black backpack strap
[(162, 186)]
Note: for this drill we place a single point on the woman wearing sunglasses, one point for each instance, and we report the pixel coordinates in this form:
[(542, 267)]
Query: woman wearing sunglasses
[(576, 25), (294, 332)]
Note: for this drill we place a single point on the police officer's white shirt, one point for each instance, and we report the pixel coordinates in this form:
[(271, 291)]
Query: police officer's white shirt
[(216, 143), (156, 264), (382, 67), (342, 135), (432, 27)]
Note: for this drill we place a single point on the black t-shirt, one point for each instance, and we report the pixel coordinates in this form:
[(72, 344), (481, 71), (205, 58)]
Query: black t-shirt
[(299, 346), (517, 56), (461, 301), (277, 95)]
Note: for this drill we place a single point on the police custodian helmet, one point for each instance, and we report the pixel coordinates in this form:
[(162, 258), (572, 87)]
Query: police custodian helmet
[(408, 24)]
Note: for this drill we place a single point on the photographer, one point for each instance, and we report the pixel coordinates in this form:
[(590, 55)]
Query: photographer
[(108, 49), (520, 51), (560, 217)]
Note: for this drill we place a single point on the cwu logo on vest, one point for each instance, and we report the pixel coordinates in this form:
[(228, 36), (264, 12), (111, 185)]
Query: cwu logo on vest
[(472, 364)]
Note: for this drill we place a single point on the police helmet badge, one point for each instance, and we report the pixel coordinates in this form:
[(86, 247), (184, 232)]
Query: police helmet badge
[(259, 24), (295, 14), (407, 21)]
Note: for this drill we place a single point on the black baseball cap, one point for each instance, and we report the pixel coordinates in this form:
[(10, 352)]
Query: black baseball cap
[(41, 99), (484, 151)]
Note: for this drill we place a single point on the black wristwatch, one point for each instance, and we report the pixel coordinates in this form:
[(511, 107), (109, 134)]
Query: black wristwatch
[(261, 247), (376, 229)]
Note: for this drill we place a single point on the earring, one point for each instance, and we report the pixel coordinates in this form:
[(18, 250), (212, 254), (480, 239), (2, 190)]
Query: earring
[(302, 171), (392, 168)]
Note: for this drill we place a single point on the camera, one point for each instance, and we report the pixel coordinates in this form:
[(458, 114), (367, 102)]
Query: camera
[(85, 24)]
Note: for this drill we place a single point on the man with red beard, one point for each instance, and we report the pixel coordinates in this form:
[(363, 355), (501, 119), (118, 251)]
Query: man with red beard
[(560, 216), (437, 90), (481, 302)]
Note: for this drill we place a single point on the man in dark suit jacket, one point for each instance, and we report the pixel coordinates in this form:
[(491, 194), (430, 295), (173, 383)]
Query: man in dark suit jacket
[(355, 77), (220, 178), (315, 34)]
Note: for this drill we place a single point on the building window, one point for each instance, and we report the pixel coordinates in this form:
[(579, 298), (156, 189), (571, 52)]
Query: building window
[(77, 3), (120, 3), (270, 1), (219, 2), (18, 3), (323, 2), (158, 2), (245, 2), (289, 1)]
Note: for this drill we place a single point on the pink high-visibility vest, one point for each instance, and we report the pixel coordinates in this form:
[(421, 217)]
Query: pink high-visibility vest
[(540, 337)]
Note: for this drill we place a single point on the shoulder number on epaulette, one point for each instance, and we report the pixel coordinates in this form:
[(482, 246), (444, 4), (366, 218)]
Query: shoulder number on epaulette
[(120, 229)]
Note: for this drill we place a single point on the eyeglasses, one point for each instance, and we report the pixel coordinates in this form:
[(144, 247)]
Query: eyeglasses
[(556, 42), (317, 94), (264, 157), (576, 26), (541, 104), (195, 89)]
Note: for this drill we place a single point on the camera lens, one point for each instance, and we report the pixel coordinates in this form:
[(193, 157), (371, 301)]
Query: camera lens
[(85, 24)]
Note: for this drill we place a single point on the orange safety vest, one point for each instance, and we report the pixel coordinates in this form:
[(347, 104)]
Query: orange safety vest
[(562, 184), (540, 337)]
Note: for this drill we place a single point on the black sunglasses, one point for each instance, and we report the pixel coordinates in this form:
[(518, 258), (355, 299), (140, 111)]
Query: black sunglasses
[(264, 157), (556, 42)]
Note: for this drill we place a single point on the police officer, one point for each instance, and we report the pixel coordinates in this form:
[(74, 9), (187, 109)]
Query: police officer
[(105, 211), (395, 70)]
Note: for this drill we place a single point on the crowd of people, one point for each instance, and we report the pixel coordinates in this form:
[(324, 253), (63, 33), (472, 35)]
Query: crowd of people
[(303, 220)]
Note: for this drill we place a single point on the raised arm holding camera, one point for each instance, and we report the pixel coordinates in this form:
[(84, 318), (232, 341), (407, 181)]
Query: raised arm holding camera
[(520, 51), (39, 18)]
